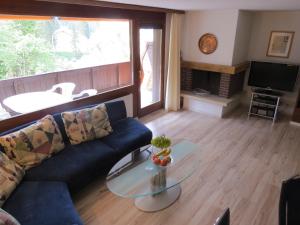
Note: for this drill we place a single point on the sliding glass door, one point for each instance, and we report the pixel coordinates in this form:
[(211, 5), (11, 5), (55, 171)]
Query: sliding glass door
[(151, 69)]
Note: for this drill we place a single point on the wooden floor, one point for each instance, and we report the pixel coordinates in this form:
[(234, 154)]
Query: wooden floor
[(243, 164)]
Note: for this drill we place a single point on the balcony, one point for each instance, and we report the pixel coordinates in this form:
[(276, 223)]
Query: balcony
[(101, 78)]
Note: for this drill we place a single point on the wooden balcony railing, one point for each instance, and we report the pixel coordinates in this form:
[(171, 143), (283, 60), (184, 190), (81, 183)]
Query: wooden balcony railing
[(102, 78)]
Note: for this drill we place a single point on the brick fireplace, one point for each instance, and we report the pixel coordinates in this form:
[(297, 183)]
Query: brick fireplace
[(224, 83), (216, 83)]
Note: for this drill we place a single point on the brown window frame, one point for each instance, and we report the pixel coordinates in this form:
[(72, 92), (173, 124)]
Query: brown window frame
[(43, 9), (156, 106)]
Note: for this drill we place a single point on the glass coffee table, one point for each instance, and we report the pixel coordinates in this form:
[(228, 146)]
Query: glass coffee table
[(153, 187)]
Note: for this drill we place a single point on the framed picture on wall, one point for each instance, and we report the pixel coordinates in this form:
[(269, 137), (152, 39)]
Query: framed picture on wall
[(280, 43)]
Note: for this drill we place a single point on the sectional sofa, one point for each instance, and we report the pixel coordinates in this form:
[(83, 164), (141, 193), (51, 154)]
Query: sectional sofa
[(44, 197)]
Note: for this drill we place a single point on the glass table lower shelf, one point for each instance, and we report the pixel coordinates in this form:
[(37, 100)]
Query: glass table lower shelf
[(153, 187)]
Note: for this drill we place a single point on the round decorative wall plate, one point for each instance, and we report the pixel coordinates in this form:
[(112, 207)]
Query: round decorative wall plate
[(208, 43)]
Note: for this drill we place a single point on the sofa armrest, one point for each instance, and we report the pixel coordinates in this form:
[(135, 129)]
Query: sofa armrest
[(116, 111)]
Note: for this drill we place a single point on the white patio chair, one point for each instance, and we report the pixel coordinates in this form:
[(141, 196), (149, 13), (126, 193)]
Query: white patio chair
[(66, 88), (85, 93)]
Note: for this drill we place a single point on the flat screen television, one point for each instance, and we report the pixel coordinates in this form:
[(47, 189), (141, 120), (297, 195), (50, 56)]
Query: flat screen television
[(275, 76)]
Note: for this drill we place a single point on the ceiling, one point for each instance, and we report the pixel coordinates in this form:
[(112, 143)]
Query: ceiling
[(217, 4)]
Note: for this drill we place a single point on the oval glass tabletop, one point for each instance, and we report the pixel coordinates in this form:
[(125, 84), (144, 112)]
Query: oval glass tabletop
[(136, 176)]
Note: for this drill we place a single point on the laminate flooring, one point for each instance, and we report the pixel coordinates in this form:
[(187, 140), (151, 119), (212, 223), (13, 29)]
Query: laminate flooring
[(243, 163)]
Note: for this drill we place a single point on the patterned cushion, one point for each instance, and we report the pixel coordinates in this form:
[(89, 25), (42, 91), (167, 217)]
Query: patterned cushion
[(7, 219), (86, 124), (31, 145), (10, 176)]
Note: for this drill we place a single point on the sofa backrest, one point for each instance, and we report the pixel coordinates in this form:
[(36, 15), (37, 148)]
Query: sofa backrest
[(116, 111)]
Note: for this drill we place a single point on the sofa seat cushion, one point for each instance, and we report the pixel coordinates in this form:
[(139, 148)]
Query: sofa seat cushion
[(129, 134), (76, 165), (42, 203)]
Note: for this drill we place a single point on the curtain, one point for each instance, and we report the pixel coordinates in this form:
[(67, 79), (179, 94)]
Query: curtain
[(172, 99)]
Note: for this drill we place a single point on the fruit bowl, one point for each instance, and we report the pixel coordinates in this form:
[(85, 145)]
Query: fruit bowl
[(162, 158)]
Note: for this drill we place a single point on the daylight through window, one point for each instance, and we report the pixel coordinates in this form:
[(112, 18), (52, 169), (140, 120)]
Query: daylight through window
[(62, 58), (29, 47)]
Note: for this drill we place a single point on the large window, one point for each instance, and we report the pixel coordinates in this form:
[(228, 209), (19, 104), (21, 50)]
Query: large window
[(61, 59), (29, 47)]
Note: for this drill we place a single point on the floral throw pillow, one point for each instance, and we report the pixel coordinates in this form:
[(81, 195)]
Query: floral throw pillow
[(31, 145), (10, 176), (86, 124)]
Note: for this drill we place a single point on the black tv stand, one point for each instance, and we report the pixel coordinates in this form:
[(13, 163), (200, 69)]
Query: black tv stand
[(267, 91)]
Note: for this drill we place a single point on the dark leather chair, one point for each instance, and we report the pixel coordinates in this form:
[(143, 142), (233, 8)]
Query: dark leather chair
[(224, 219), (289, 203)]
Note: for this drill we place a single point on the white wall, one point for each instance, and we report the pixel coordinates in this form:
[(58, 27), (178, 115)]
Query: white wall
[(221, 23), (242, 38), (263, 23)]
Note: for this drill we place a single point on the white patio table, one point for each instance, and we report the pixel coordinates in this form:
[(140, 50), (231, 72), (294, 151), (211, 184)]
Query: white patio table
[(33, 101)]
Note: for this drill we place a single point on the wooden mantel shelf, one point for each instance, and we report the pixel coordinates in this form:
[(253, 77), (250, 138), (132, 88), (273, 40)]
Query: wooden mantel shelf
[(216, 67)]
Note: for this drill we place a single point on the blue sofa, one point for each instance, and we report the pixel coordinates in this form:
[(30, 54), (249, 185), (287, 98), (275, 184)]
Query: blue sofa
[(44, 195)]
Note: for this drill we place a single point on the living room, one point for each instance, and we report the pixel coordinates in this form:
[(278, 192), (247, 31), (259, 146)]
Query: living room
[(135, 112)]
